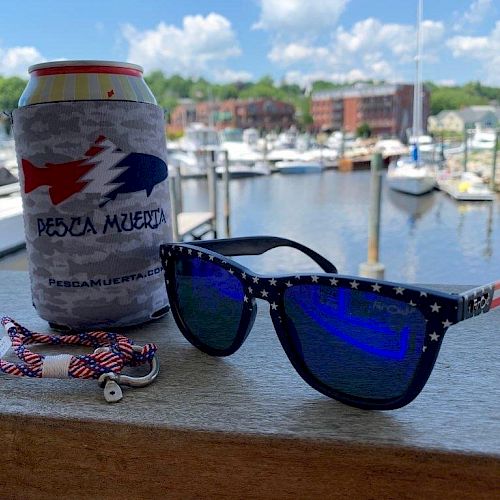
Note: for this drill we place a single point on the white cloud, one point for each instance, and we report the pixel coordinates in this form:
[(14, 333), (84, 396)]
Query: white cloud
[(306, 79), (15, 60), (447, 82), (370, 49), (295, 52), (485, 49), (299, 16), (229, 75), (191, 50), (475, 14), (398, 39)]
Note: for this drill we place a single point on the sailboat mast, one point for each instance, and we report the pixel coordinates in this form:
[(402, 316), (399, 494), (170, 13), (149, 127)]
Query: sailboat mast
[(417, 88)]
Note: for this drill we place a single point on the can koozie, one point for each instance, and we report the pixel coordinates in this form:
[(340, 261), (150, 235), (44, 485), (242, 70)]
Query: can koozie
[(96, 208)]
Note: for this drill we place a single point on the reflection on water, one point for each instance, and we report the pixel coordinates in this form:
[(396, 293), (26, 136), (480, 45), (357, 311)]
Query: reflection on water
[(428, 239)]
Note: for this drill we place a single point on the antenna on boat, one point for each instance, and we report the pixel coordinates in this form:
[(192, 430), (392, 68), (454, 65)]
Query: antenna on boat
[(417, 88)]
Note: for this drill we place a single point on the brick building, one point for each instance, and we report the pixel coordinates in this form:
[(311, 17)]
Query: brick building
[(267, 114), (387, 109)]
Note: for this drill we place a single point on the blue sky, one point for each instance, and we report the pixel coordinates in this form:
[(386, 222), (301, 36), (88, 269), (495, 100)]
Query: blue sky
[(295, 40)]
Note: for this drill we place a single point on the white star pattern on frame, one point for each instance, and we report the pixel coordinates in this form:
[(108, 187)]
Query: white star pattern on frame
[(190, 251), (437, 310), (210, 257), (435, 307)]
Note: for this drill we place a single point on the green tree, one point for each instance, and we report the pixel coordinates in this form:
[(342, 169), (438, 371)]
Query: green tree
[(453, 98), (11, 89), (364, 130)]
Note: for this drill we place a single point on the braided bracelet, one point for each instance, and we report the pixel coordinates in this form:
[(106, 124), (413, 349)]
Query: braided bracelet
[(112, 353)]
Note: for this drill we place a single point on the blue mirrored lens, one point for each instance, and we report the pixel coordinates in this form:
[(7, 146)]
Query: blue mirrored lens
[(210, 300), (359, 343)]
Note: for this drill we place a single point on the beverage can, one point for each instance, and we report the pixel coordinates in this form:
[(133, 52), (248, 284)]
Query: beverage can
[(91, 148), (83, 80)]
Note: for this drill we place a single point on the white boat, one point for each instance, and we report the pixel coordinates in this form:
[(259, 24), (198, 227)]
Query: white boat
[(299, 167), (326, 156), (11, 224), (406, 176), (466, 187), (192, 153), (412, 175), (391, 147), (482, 140), (244, 160), (237, 171)]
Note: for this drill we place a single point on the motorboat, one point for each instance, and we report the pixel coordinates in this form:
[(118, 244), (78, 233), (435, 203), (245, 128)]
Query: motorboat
[(299, 166), (466, 186), (192, 154), (11, 223), (391, 147), (482, 140), (237, 170), (243, 159), (9, 183)]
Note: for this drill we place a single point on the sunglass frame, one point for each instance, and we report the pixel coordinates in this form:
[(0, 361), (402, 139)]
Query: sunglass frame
[(440, 310)]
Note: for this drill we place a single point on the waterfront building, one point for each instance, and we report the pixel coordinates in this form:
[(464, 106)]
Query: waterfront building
[(456, 120), (387, 109), (264, 114)]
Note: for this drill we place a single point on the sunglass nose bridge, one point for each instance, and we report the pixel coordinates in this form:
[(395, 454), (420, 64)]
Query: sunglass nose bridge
[(263, 288)]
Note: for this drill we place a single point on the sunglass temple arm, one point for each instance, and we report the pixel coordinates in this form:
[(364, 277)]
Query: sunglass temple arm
[(481, 299), (257, 245)]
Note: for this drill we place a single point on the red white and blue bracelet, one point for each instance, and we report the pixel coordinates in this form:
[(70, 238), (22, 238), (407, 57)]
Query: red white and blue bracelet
[(112, 353)]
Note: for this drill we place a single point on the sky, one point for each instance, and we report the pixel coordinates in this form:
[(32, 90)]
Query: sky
[(297, 41)]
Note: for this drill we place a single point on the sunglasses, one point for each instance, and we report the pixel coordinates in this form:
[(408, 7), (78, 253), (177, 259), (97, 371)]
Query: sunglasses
[(368, 343)]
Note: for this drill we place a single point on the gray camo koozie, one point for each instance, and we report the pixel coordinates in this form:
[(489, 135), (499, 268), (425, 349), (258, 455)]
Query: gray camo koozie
[(96, 208)]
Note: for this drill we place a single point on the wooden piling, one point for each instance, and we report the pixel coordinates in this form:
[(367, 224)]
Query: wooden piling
[(373, 268)]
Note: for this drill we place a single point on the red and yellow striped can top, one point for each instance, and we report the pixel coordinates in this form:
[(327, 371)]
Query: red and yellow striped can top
[(85, 80)]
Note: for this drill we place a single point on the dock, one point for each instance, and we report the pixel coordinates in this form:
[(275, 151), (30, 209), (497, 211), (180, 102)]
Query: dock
[(195, 225)]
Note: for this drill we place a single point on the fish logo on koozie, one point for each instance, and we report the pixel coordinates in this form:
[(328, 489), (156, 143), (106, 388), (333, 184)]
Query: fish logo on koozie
[(105, 170)]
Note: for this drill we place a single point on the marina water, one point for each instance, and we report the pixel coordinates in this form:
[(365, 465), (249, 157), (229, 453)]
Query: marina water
[(425, 239)]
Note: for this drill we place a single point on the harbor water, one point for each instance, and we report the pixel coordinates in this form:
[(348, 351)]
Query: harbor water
[(423, 239)]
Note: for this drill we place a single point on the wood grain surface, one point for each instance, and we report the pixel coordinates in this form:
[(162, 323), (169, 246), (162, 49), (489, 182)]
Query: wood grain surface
[(247, 426)]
